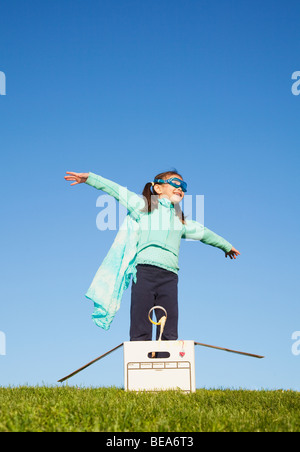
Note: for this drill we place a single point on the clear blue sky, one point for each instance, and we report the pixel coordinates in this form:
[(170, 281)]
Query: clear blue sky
[(127, 89)]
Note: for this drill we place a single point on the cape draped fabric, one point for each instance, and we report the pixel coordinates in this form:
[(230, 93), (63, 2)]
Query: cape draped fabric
[(114, 274)]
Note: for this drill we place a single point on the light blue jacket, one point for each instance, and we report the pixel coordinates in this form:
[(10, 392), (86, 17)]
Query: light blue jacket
[(161, 227)]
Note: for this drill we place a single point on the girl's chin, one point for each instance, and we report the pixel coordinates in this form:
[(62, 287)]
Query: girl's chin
[(175, 199)]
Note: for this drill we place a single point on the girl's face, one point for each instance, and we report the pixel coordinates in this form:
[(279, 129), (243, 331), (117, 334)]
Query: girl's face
[(174, 194)]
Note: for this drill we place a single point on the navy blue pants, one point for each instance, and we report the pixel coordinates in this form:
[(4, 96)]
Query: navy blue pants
[(155, 286)]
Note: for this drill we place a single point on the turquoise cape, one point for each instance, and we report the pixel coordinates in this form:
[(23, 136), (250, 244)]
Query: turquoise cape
[(114, 274)]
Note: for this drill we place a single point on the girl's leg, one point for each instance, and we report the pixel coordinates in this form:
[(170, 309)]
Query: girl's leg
[(142, 300), (167, 297)]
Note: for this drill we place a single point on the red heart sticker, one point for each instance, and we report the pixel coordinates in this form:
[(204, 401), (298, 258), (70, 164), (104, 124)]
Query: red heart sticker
[(182, 354)]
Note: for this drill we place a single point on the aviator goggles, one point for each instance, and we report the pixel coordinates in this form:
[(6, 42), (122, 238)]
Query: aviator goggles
[(174, 181)]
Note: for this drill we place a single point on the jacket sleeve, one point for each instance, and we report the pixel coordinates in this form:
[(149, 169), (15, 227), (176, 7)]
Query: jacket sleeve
[(196, 231), (133, 202)]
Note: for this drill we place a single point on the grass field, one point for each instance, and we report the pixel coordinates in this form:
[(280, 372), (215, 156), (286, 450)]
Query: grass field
[(71, 409)]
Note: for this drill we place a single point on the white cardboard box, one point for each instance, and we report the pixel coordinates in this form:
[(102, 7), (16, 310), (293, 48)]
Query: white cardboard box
[(175, 369)]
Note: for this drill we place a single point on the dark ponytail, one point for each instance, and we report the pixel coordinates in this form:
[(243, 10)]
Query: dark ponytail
[(179, 213), (150, 197)]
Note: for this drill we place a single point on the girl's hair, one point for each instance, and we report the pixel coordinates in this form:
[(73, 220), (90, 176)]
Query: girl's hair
[(151, 197)]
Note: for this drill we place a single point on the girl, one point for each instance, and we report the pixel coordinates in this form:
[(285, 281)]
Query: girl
[(162, 225)]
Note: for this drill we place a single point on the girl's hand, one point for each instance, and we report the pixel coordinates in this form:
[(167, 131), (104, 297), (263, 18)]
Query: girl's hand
[(233, 253), (78, 177)]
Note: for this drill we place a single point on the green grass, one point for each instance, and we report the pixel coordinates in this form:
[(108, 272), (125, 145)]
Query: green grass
[(70, 409)]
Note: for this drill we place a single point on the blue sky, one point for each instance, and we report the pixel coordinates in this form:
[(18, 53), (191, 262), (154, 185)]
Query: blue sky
[(128, 89)]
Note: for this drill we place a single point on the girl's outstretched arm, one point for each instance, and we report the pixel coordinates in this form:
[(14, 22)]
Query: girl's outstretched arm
[(196, 231), (128, 199)]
